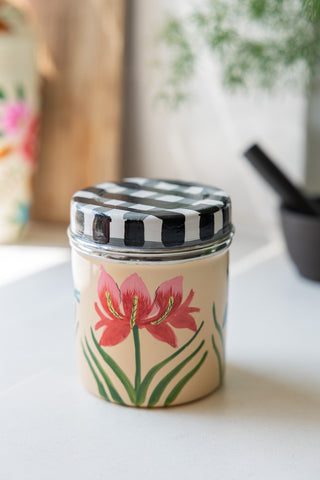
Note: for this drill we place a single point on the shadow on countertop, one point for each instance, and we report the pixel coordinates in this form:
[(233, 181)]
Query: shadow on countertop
[(253, 396)]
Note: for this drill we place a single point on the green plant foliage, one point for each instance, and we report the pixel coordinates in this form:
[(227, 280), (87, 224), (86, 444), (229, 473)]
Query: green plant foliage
[(183, 63), (312, 9), (257, 42)]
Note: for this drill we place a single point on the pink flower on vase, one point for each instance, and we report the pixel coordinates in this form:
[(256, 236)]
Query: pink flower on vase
[(30, 141), (15, 117), (131, 306)]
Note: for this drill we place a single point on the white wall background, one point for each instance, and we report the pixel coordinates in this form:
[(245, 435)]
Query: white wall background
[(203, 140)]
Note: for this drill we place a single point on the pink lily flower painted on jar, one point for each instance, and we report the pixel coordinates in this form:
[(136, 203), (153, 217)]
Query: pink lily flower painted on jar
[(131, 306)]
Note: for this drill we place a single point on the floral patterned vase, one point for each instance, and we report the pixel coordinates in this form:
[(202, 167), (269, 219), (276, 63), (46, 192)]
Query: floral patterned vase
[(19, 121)]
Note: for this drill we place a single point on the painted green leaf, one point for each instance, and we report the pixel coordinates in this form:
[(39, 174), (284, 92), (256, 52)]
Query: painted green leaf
[(116, 369), (20, 92), (159, 389), (113, 392), (177, 389), (155, 369), (100, 386), (215, 348), (2, 94), (217, 324)]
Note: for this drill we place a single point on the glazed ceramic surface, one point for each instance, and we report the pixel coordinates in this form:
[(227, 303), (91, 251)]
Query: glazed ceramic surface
[(151, 334), (150, 267), (18, 122)]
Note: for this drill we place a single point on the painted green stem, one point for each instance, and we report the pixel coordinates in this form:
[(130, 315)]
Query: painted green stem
[(138, 392), (136, 340)]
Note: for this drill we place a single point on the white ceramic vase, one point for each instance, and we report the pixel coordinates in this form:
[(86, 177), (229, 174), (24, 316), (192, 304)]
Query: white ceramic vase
[(19, 121)]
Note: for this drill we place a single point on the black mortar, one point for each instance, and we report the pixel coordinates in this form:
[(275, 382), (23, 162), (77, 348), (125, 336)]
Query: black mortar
[(302, 235)]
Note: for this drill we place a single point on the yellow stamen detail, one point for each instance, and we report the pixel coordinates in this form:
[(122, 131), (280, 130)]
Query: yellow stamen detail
[(112, 310), (166, 313), (134, 311)]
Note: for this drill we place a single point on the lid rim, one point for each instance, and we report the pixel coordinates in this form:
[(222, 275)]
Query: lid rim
[(194, 251)]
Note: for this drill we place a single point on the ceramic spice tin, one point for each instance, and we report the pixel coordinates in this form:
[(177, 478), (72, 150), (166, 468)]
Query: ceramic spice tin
[(150, 267)]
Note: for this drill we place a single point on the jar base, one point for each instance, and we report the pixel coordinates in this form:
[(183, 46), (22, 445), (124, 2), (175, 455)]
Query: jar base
[(146, 407)]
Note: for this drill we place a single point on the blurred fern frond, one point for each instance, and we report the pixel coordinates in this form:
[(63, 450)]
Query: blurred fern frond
[(257, 42)]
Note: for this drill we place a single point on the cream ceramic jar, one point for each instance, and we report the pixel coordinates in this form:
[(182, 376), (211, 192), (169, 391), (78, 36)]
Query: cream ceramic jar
[(150, 268)]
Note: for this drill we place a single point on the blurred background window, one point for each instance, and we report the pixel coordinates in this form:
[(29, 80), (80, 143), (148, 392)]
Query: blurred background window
[(207, 50)]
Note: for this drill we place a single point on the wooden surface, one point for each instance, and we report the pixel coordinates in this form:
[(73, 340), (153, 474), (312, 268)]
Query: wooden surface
[(82, 99)]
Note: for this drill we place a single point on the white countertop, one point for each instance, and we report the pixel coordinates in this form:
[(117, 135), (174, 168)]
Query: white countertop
[(264, 423)]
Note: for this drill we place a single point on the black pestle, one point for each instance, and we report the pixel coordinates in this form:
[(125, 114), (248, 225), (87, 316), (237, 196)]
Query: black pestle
[(292, 197)]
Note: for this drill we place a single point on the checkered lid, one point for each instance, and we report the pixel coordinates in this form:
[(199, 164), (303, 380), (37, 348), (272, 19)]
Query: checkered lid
[(147, 214)]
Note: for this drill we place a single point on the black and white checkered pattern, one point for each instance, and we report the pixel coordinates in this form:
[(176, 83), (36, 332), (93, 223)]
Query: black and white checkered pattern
[(150, 214)]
